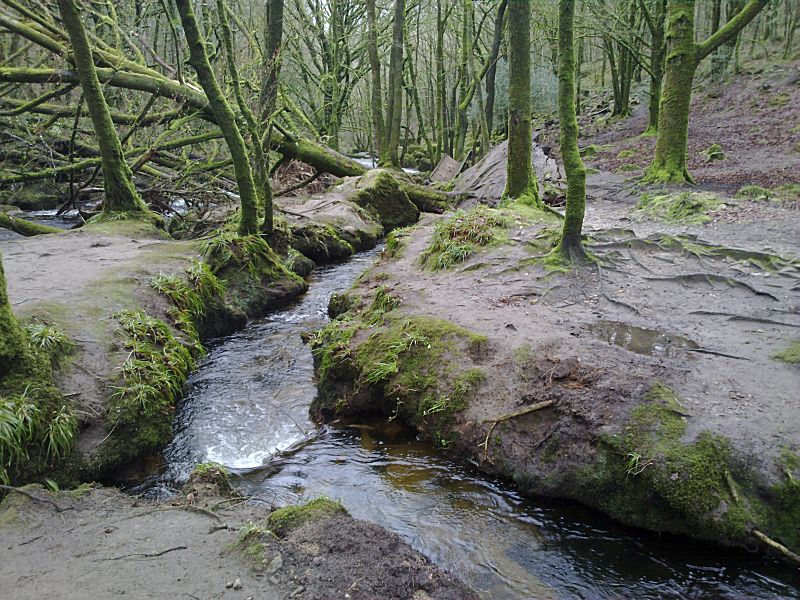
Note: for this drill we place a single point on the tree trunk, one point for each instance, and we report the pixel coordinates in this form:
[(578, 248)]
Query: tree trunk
[(13, 341), (376, 98), (491, 73), (570, 246), (520, 179), (269, 96), (394, 110), (683, 57), (223, 115), (657, 53), (120, 193)]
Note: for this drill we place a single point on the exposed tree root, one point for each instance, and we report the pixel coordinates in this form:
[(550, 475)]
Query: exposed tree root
[(36, 498), (512, 415), (712, 277)]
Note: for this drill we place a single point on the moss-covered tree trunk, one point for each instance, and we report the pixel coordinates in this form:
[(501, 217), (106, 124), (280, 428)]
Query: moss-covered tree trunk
[(655, 23), (394, 107), (120, 193), (491, 73), (520, 179), (269, 97), (376, 97), (13, 341), (224, 117), (570, 245), (683, 57)]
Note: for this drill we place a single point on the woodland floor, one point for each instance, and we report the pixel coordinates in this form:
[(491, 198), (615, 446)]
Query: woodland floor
[(704, 316), (103, 543)]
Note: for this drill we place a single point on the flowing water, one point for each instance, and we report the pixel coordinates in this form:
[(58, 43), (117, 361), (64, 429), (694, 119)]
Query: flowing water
[(247, 408)]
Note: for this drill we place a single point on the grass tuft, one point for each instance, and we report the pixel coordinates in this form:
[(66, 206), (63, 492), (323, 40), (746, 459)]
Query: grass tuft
[(461, 235)]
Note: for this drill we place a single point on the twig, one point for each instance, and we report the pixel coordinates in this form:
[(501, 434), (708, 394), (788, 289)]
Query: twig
[(777, 546), (147, 555), (35, 497), (513, 415)]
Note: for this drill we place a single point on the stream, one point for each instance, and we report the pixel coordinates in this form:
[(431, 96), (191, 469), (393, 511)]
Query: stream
[(247, 408)]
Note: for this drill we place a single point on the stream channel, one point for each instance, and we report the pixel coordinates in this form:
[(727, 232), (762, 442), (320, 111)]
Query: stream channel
[(247, 408)]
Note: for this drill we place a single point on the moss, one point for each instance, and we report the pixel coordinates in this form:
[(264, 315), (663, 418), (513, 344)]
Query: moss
[(754, 192), (778, 100), (37, 425), (298, 263), (340, 303), (379, 192), (407, 367), (461, 235), (210, 478), (684, 207), (285, 520), (320, 242), (628, 168), (646, 475), (139, 413), (396, 241), (714, 152), (256, 278), (790, 355), (593, 149), (629, 153)]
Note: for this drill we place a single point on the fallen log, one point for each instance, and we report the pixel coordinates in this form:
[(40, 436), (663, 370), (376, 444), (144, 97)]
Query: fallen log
[(26, 228)]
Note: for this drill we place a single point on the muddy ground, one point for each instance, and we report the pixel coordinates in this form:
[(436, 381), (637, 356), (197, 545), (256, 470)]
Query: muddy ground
[(754, 118), (102, 543)]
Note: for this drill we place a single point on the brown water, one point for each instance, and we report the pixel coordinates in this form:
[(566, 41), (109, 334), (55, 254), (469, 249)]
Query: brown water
[(247, 408)]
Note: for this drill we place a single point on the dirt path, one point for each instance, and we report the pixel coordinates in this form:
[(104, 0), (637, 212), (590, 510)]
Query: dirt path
[(102, 543)]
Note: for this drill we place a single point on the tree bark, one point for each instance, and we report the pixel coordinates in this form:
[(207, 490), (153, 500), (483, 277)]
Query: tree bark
[(224, 117), (376, 97), (120, 193), (269, 97), (570, 245), (394, 109), (520, 179), (491, 73)]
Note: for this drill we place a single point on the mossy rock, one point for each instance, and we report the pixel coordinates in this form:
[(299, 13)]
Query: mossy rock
[(754, 192), (376, 361), (340, 303), (35, 196), (715, 152), (299, 264), (285, 520), (791, 355), (210, 479), (380, 192), (320, 242)]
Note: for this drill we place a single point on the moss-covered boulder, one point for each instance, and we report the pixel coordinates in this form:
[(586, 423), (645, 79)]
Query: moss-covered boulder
[(34, 196), (379, 192), (376, 360)]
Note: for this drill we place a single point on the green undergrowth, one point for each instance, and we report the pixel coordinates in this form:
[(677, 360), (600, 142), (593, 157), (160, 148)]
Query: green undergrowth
[(151, 382), (790, 355), (37, 424), (191, 296), (396, 241), (714, 152), (461, 235), (685, 207), (380, 361), (785, 192), (255, 276), (649, 476)]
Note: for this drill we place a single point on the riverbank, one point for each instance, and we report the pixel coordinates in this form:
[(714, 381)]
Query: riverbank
[(98, 542), (133, 307), (649, 385)]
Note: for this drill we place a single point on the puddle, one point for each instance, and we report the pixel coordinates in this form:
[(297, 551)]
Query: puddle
[(640, 340)]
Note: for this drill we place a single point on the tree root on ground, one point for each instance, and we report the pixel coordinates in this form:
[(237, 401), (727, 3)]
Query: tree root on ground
[(513, 415)]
